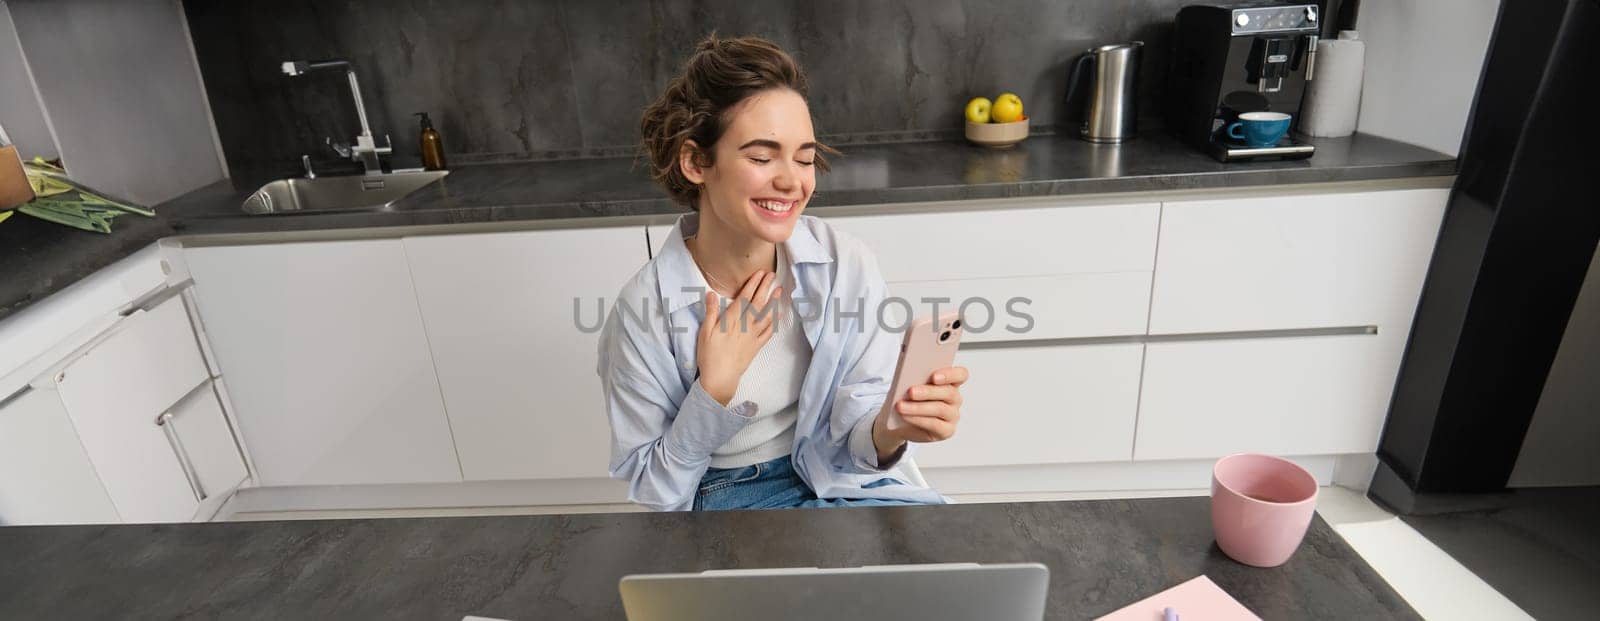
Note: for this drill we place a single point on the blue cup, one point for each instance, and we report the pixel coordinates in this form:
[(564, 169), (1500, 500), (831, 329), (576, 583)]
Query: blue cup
[(1260, 129)]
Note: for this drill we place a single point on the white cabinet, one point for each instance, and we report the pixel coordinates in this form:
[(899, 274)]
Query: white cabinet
[(1286, 262), (1030, 274), (1031, 307), (450, 358), (115, 392), (102, 361), (1044, 405), (1081, 271), (1321, 395), (513, 321), (326, 361), (45, 476), (199, 431), (1282, 264), (996, 243)]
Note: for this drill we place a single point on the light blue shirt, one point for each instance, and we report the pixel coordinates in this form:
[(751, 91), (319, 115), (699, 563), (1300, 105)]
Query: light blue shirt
[(664, 426)]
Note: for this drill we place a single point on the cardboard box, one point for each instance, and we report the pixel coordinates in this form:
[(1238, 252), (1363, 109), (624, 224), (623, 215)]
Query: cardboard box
[(14, 188)]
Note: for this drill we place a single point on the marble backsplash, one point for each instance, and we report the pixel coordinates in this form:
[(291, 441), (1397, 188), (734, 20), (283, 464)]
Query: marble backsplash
[(506, 79)]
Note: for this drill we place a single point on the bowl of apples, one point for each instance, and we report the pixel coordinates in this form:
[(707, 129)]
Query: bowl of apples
[(999, 124)]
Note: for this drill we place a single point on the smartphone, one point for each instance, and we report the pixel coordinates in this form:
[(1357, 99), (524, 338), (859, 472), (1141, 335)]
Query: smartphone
[(929, 345)]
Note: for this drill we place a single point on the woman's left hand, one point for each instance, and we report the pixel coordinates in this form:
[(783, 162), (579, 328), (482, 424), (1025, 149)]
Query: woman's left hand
[(930, 412)]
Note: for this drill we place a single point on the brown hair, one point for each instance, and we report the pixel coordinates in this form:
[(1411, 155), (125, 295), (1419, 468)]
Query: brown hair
[(720, 74)]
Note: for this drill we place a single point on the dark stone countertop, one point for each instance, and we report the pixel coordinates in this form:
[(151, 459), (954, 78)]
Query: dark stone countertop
[(38, 258), (1102, 555), (863, 175), (570, 190)]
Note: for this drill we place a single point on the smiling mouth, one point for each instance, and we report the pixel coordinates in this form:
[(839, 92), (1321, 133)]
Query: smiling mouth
[(775, 206)]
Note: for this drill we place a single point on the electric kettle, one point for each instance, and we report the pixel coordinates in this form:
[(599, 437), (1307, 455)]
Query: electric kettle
[(1104, 84)]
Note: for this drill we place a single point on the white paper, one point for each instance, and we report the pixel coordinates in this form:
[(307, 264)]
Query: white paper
[(1333, 99)]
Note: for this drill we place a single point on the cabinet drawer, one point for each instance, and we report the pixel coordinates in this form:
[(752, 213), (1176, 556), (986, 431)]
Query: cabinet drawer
[(1294, 261), (114, 393), (1288, 396), (1043, 405), (148, 362), (1009, 242), (1033, 307), (207, 442)]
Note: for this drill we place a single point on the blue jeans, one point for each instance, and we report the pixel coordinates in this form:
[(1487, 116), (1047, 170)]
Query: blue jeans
[(772, 485)]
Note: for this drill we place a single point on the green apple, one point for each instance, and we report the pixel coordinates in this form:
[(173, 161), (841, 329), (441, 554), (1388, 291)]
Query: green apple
[(978, 110)]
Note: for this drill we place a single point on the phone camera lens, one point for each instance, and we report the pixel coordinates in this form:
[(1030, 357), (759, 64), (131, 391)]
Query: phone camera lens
[(944, 336), (956, 325)]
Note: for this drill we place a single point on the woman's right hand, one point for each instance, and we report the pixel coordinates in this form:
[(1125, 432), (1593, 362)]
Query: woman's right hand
[(730, 337)]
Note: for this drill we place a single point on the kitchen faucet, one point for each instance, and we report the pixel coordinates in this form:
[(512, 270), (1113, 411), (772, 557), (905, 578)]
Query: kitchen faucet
[(365, 149)]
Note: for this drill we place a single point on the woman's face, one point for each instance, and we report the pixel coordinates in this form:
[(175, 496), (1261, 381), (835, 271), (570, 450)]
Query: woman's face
[(765, 167)]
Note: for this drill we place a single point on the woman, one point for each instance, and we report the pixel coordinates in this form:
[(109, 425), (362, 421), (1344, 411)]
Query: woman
[(754, 375)]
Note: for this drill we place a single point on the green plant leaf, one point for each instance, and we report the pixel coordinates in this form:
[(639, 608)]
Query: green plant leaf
[(66, 218)]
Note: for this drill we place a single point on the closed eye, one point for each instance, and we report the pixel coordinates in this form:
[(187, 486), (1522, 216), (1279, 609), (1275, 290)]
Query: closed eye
[(763, 160)]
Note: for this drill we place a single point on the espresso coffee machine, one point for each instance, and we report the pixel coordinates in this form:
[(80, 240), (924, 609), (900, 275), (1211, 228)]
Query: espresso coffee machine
[(1229, 59)]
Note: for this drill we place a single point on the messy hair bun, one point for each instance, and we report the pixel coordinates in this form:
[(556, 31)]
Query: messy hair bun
[(720, 74)]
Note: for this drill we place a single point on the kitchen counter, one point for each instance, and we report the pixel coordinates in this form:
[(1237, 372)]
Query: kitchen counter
[(1102, 555), (41, 259), (38, 258)]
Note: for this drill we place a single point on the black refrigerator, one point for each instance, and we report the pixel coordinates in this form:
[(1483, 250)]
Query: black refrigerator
[(1519, 232)]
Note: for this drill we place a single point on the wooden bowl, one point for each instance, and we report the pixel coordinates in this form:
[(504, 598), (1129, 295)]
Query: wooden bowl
[(998, 135)]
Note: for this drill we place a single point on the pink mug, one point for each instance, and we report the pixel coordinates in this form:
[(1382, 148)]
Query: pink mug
[(1260, 507)]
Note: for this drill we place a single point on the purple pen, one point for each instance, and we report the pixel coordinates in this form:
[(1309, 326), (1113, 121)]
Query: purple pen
[(1170, 614)]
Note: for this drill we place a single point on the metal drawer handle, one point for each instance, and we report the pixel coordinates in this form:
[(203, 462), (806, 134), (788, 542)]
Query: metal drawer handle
[(1174, 338), (164, 421)]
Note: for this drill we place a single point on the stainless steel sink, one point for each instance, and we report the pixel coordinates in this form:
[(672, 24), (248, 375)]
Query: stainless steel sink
[(350, 193)]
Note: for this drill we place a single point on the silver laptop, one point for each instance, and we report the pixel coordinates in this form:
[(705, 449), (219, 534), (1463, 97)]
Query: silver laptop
[(1001, 592)]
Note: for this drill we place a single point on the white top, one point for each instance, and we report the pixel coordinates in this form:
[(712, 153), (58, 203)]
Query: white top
[(772, 382)]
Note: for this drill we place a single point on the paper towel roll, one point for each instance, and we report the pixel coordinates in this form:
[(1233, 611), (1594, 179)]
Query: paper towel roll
[(1333, 98)]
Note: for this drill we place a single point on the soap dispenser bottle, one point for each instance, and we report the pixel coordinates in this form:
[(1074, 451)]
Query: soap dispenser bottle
[(432, 146)]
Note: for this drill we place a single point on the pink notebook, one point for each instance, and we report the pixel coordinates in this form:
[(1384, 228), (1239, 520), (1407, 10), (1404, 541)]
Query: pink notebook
[(1199, 599)]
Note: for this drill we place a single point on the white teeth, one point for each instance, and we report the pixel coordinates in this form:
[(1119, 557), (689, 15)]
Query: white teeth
[(774, 206)]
